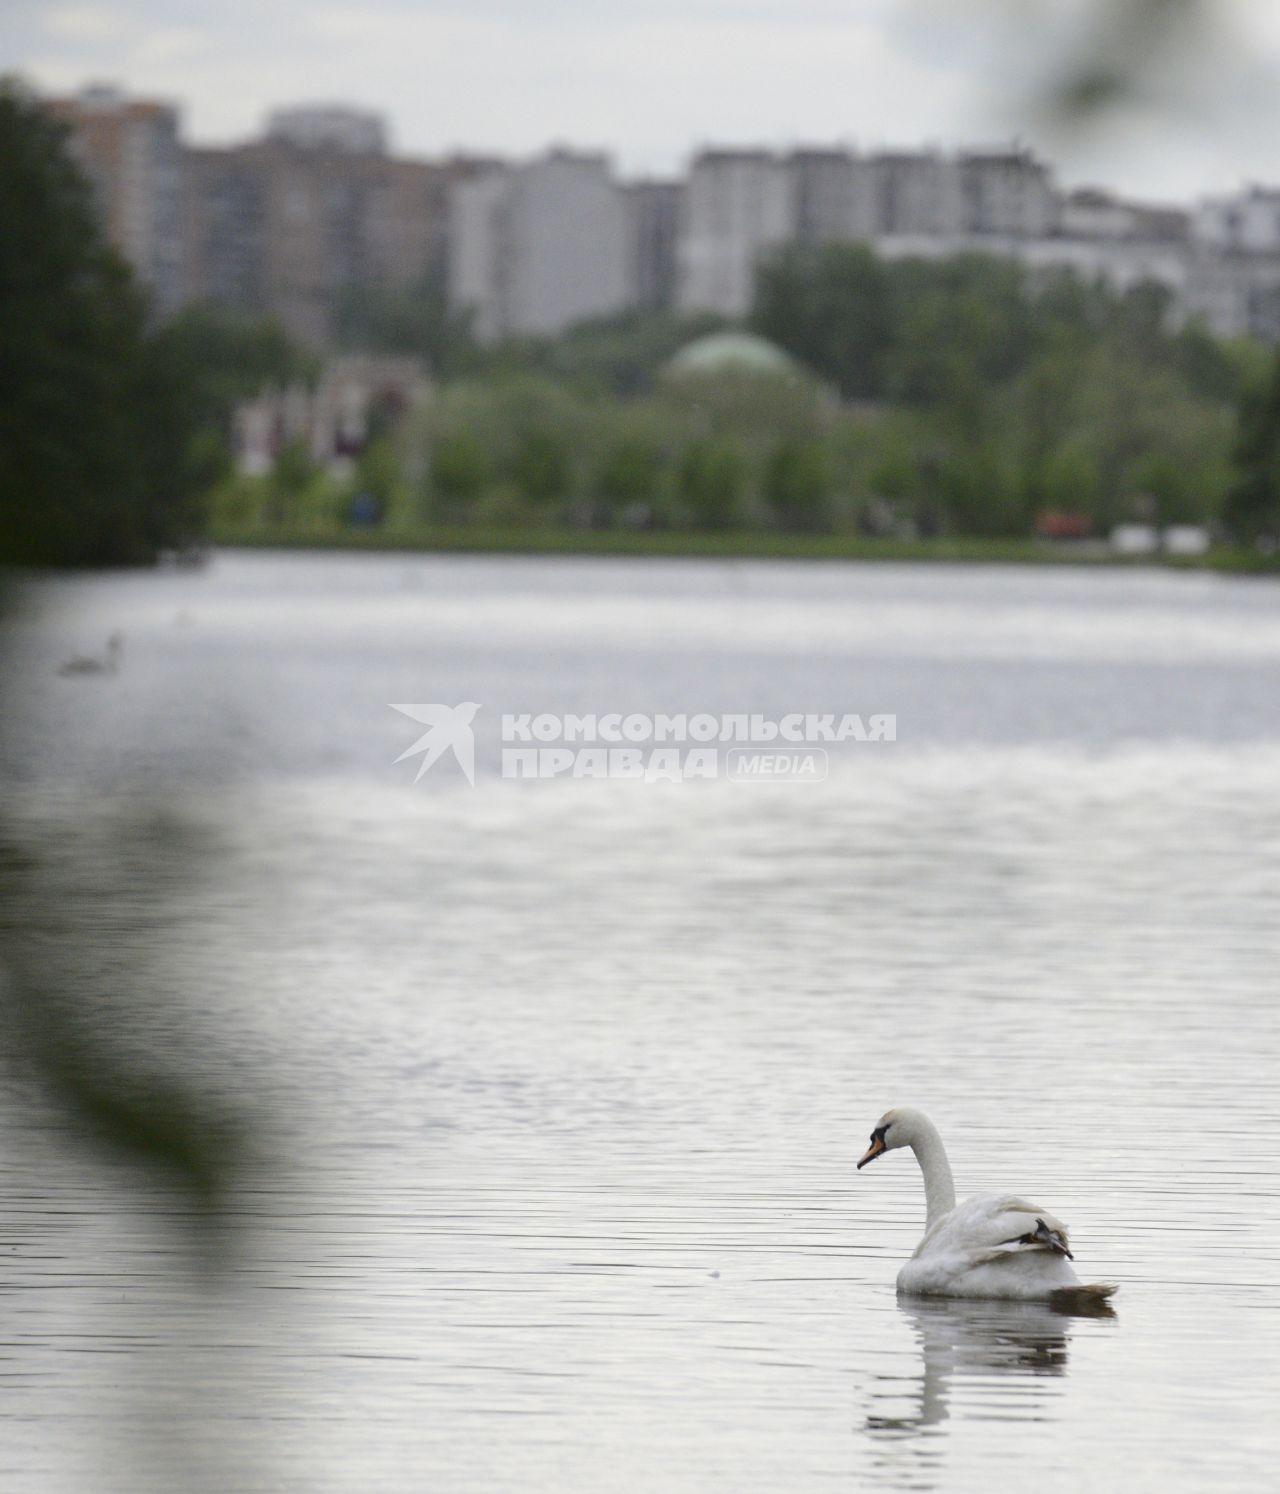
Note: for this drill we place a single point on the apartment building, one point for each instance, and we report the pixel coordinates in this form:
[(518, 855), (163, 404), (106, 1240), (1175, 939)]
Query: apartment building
[(737, 207), (833, 196), (130, 151), (1006, 192), (916, 193), (536, 247), (653, 228), (1248, 222), (290, 224)]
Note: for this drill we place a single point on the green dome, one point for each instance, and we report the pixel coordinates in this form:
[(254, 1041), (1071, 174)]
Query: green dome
[(737, 352)]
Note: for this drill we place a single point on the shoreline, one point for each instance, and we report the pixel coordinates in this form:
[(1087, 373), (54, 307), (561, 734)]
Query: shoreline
[(673, 545)]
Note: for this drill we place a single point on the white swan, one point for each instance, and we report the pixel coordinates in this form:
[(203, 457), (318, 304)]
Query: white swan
[(995, 1245), (109, 663)]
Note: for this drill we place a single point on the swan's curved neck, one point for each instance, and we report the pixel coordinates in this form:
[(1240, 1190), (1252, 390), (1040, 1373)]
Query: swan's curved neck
[(939, 1187)]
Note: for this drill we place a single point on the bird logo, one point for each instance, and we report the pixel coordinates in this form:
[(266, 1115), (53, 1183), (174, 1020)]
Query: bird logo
[(447, 727)]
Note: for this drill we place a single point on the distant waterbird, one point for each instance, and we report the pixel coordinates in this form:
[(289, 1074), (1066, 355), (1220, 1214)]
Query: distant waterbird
[(995, 1245), (106, 663)]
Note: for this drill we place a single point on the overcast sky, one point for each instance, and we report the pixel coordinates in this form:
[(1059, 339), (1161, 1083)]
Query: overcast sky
[(651, 80)]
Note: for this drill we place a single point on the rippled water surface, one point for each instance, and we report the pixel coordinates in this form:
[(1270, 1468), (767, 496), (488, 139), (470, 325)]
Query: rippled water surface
[(561, 1084)]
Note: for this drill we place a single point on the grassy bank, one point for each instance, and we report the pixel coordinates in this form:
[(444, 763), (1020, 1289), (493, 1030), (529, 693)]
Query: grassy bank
[(439, 539)]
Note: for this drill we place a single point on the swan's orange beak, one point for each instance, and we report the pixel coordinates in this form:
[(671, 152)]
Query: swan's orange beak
[(872, 1152)]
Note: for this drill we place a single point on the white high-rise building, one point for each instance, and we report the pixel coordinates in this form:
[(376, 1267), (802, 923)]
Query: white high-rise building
[(538, 247), (833, 196), (1248, 221), (737, 208), (478, 250), (653, 227), (1007, 192), (917, 193)]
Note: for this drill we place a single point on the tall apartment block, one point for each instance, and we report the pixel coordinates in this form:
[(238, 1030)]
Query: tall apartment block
[(129, 149), (536, 247), (916, 193), (737, 207), (1006, 192), (653, 228), (290, 224), (833, 196)]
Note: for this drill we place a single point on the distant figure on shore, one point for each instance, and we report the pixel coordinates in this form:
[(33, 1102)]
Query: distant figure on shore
[(108, 663)]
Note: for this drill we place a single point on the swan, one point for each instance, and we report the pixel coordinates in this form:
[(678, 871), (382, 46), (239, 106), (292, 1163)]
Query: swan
[(995, 1245), (89, 664)]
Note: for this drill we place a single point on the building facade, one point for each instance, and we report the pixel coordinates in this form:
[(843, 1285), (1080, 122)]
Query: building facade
[(291, 225), (1247, 223), (737, 208), (536, 247), (833, 196), (916, 192), (130, 151), (1006, 192), (288, 227), (653, 231)]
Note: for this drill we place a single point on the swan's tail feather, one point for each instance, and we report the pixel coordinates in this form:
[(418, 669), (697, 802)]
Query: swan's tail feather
[(1087, 1301)]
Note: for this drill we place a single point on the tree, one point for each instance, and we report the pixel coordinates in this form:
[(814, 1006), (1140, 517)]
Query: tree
[(1252, 507), (797, 483), (978, 494), (377, 476), (1067, 479), (292, 479), (71, 335), (830, 308), (460, 468), (628, 474), (417, 322), (540, 467), (710, 479), (111, 433)]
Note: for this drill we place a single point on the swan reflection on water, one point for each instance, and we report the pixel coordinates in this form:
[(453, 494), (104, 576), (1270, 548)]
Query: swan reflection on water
[(1009, 1353)]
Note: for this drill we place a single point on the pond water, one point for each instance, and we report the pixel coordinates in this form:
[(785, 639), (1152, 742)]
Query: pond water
[(561, 1084)]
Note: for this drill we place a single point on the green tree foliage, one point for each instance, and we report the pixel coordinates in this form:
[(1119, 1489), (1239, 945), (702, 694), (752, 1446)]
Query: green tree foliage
[(71, 336), (460, 468), (540, 466), (111, 432), (1010, 373), (629, 473), (830, 307), (797, 486), (979, 493), (227, 358), (622, 356), (983, 396), (378, 472), (711, 480), (1252, 507), (293, 479), (1066, 479), (416, 322)]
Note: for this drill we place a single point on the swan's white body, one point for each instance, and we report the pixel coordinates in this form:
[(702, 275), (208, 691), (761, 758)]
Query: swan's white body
[(109, 663), (996, 1245)]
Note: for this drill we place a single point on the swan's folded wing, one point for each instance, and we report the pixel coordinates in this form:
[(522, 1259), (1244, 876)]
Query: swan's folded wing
[(998, 1224)]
